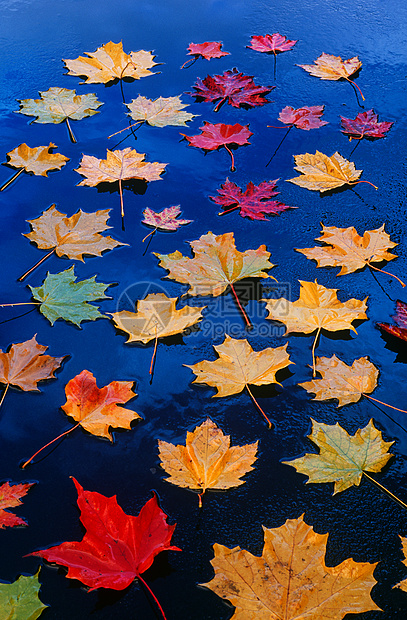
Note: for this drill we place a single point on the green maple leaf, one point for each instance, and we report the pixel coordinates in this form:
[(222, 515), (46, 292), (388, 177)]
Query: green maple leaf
[(63, 298), (19, 600), (58, 104)]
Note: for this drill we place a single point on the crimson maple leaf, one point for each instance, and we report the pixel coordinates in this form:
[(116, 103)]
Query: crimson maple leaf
[(207, 50), (253, 203), (215, 136), (116, 547), (10, 496), (365, 125), (234, 87), (271, 43), (400, 318), (304, 118)]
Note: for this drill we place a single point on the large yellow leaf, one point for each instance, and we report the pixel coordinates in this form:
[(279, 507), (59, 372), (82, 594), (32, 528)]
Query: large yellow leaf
[(346, 383), (346, 249), (239, 366), (291, 581), (38, 160), (343, 458), (109, 62), (206, 461), (328, 67), (323, 173), (161, 112), (156, 317), (72, 236)]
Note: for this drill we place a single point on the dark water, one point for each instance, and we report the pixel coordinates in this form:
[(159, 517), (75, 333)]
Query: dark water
[(363, 523)]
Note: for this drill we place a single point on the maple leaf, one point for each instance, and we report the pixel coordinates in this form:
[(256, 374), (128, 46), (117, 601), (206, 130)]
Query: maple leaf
[(343, 458), (253, 203), (165, 219), (232, 87), (25, 364), (271, 43), (328, 67), (291, 580), (323, 173), (399, 330), (161, 112), (10, 497), (109, 62), (346, 249), (61, 297), (20, 599), (58, 105), (207, 50), (206, 461), (216, 265), (365, 125), (303, 118), (116, 548), (238, 366), (37, 160), (317, 308), (214, 136), (403, 584), (71, 236), (118, 166)]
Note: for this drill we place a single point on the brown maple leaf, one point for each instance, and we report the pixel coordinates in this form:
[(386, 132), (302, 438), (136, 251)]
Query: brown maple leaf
[(10, 497), (291, 581), (328, 67), (71, 236), (206, 461), (118, 166), (37, 160)]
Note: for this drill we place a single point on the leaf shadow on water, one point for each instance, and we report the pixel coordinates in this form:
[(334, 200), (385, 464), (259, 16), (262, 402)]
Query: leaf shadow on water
[(396, 345), (137, 186)]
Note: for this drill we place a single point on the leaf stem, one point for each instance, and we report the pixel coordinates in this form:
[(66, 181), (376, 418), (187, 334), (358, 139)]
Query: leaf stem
[(232, 168), (200, 499), (22, 303), (13, 178), (240, 305), (125, 129), (382, 488), (191, 61), (49, 443), (71, 135), (153, 596), (385, 404), (21, 278), (270, 424), (150, 233), (279, 144), (387, 273), (4, 394), (275, 64), (354, 84), (229, 210), (368, 182), (121, 202), (314, 372), (154, 352), (221, 102)]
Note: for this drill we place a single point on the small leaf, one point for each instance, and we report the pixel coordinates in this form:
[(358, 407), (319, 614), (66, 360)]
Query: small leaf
[(399, 330), (328, 67), (271, 43), (161, 112), (58, 104), (10, 497), (255, 202), (19, 600), (37, 160), (365, 125), (167, 219), (323, 173), (207, 50), (305, 118)]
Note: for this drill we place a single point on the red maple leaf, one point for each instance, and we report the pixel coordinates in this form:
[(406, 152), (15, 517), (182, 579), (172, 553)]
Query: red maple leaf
[(304, 118), (399, 330), (10, 496), (207, 50), (253, 203), (233, 87), (116, 547), (365, 125), (215, 136), (271, 43)]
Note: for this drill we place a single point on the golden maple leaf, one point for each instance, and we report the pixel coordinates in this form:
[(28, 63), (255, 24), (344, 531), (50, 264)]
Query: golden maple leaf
[(109, 62), (323, 173), (343, 458), (291, 581), (161, 112), (58, 105), (238, 366), (316, 308), (206, 461), (346, 383), (118, 166), (38, 160), (328, 67), (403, 584), (156, 317)]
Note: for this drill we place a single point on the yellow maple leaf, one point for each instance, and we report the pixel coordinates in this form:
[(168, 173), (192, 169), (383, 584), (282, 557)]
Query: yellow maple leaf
[(403, 584), (329, 67), (38, 160), (322, 173), (290, 581), (206, 461), (343, 458), (216, 265), (109, 62), (316, 308), (118, 166), (161, 112)]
